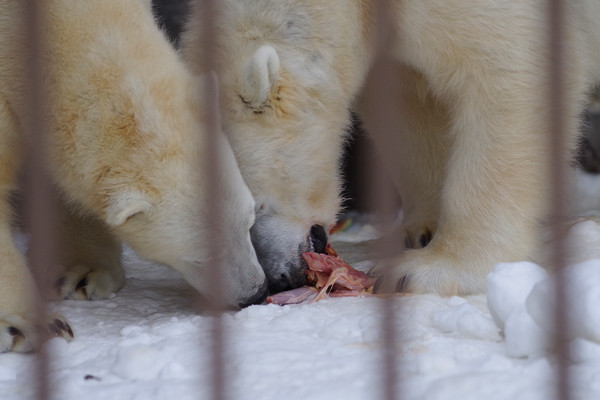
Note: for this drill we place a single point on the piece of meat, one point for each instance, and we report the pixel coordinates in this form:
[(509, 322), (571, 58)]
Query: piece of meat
[(329, 250), (293, 296), (340, 273), (331, 276), (316, 278)]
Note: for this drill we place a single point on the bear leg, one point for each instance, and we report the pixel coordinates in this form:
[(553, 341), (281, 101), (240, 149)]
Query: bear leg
[(90, 258)]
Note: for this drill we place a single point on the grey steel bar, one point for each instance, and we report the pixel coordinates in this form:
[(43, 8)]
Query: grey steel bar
[(559, 203), (39, 209), (212, 163), (381, 104)]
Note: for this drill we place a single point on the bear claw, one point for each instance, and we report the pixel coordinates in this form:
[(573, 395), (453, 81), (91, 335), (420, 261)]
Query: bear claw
[(15, 332), (59, 328), (402, 284), (425, 238)]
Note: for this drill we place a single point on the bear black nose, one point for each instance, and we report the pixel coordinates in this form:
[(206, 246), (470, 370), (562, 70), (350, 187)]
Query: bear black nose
[(318, 238)]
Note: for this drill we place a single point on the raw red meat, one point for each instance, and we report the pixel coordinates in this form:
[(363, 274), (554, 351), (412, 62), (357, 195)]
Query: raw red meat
[(331, 276)]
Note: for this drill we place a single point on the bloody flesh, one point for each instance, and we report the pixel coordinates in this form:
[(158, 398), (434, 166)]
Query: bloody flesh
[(331, 276)]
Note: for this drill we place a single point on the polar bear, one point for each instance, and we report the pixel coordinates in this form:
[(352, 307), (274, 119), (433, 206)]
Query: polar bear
[(469, 154), (126, 144)]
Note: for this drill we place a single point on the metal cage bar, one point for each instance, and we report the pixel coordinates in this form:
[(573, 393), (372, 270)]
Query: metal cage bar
[(211, 165), (381, 104), (39, 210), (383, 199), (557, 137)]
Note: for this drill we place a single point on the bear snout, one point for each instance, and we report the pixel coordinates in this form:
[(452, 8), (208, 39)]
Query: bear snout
[(257, 298)]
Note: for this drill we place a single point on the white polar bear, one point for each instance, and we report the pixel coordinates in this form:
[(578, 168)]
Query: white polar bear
[(126, 144), (470, 154)]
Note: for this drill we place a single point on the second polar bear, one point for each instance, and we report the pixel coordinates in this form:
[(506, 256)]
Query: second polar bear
[(126, 141), (469, 152)]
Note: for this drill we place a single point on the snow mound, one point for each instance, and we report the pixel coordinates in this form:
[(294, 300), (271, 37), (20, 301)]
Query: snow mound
[(522, 300), (508, 287), (465, 319), (581, 283)]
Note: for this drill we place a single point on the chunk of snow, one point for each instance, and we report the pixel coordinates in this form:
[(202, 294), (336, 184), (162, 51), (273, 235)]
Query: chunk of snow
[(581, 283), (508, 286)]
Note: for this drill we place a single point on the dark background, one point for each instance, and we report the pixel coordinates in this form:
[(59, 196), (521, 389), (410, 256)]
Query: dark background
[(171, 15)]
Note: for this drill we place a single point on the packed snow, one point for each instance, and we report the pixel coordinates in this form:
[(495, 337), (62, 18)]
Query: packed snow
[(150, 341)]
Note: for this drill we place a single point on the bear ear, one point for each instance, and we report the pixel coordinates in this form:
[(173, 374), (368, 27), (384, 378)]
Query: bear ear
[(261, 73), (125, 205)]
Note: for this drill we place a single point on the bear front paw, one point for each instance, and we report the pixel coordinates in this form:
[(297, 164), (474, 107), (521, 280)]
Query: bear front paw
[(425, 271), (22, 335), (80, 282)]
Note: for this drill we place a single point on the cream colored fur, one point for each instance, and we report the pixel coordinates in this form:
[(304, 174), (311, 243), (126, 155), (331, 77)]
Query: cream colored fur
[(126, 152), (470, 152), (285, 79)]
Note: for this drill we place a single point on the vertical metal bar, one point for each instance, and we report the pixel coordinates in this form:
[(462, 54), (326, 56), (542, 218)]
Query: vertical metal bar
[(212, 163), (559, 205), (386, 204), (381, 105), (39, 211)]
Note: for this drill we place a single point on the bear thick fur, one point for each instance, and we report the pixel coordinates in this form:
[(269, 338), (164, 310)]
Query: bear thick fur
[(126, 148), (470, 148)]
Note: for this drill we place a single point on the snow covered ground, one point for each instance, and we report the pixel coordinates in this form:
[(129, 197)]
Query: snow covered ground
[(148, 341)]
